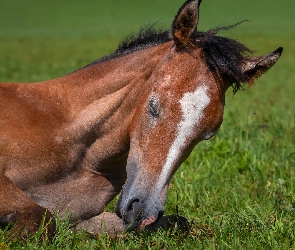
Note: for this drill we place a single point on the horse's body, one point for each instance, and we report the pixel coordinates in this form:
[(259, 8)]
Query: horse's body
[(65, 143), (75, 130)]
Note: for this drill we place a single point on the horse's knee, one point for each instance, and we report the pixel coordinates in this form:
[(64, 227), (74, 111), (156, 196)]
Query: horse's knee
[(20, 215), (29, 221)]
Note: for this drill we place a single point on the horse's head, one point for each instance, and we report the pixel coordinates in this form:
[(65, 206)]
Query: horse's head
[(182, 106)]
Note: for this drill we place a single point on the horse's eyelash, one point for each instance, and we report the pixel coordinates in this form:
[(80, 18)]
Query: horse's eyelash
[(154, 108)]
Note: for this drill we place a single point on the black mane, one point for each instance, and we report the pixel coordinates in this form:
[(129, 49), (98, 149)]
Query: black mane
[(222, 55), (146, 37)]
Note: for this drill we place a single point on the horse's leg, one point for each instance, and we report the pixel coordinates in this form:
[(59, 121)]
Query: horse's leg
[(111, 224), (24, 215)]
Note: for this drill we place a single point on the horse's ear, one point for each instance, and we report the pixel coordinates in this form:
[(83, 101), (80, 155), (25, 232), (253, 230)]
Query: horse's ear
[(256, 66), (185, 23)]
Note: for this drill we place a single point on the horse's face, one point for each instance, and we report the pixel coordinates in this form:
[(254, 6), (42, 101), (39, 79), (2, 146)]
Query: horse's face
[(183, 106)]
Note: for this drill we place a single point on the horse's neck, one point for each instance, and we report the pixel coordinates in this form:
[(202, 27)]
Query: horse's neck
[(106, 93)]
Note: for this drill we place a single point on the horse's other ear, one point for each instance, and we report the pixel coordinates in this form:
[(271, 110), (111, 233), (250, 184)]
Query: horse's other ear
[(257, 66), (185, 23)]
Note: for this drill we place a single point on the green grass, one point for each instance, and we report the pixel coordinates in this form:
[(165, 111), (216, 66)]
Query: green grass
[(237, 189)]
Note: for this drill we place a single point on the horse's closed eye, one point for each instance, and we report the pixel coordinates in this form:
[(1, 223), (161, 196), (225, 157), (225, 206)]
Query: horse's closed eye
[(154, 108)]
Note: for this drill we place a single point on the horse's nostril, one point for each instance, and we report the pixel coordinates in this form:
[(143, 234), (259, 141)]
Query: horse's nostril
[(131, 204)]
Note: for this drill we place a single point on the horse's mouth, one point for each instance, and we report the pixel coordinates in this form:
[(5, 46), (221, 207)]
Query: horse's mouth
[(144, 223), (147, 222)]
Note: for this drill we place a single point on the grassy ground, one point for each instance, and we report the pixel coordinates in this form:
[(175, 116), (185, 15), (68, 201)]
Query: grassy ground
[(238, 189)]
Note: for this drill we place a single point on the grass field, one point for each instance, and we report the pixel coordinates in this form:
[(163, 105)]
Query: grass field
[(237, 189)]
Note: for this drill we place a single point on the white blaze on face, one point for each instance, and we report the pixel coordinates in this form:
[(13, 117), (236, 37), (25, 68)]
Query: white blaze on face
[(192, 106)]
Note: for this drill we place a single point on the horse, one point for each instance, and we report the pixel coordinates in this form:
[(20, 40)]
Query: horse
[(124, 123)]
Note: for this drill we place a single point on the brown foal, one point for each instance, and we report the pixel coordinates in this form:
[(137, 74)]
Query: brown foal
[(129, 120)]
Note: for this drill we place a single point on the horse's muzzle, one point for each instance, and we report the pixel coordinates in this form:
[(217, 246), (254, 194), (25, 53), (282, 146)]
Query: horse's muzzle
[(139, 214), (140, 204)]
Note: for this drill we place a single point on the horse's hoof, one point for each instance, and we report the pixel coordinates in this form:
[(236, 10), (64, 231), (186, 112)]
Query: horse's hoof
[(106, 222)]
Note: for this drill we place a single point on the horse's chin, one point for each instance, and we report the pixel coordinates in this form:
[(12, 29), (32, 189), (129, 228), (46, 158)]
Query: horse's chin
[(146, 223), (151, 222)]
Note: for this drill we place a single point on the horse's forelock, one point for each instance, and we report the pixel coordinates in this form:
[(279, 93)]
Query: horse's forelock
[(224, 55)]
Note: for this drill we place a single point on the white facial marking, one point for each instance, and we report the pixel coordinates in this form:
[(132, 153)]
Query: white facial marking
[(192, 106)]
